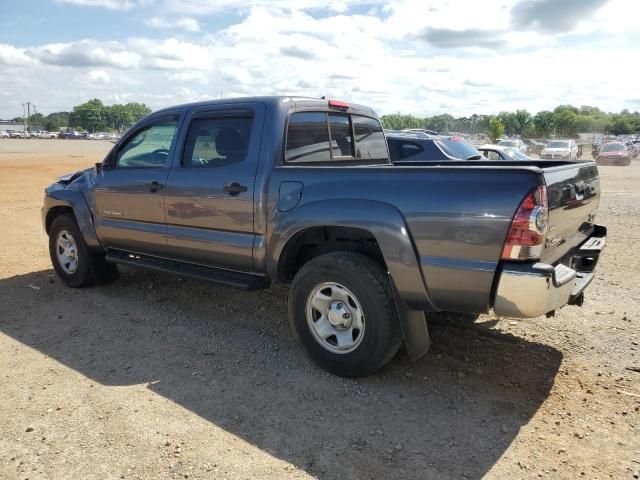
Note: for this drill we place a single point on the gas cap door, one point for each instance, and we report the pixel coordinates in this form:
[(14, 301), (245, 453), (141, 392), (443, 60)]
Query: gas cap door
[(290, 194)]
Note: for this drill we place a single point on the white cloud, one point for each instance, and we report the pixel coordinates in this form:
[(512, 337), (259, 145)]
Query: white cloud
[(10, 55), (98, 76), (185, 23), (108, 4), (86, 53), (387, 58)]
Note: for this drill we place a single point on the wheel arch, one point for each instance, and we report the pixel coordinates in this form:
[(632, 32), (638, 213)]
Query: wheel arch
[(63, 202), (379, 226)]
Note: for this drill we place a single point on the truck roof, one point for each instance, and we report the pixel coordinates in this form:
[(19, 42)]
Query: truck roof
[(294, 101)]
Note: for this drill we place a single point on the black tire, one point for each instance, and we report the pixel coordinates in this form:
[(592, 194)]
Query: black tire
[(91, 267), (368, 282)]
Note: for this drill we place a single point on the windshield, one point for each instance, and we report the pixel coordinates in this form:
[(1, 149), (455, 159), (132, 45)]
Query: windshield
[(558, 144), (458, 148), (612, 147), (508, 143), (517, 154)]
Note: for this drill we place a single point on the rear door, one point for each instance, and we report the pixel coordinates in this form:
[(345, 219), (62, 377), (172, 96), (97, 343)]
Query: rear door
[(128, 194), (209, 200)]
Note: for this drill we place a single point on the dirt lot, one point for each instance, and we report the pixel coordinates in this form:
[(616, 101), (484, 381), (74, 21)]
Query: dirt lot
[(158, 377)]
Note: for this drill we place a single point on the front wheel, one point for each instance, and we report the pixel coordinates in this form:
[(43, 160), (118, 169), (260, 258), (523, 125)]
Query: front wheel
[(342, 311), (72, 261)]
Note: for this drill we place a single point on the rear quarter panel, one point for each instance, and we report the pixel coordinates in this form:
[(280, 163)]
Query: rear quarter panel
[(457, 219)]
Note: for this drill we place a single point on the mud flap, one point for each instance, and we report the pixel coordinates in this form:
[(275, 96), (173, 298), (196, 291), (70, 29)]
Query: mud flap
[(414, 327)]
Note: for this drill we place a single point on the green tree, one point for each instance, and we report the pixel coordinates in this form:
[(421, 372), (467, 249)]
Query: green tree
[(397, 121), (543, 121), (620, 125), (509, 121), (36, 121), (55, 121), (440, 123), (584, 123), (522, 119), (565, 120), (94, 115), (90, 115), (496, 129)]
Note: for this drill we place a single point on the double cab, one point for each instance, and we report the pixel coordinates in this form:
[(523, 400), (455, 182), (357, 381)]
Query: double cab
[(254, 192)]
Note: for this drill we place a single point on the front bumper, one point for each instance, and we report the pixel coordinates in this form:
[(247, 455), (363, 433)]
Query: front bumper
[(528, 290)]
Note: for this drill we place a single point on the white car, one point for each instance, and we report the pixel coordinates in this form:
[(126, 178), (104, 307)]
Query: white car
[(4, 134), (45, 134), (561, 149), (513, 143)]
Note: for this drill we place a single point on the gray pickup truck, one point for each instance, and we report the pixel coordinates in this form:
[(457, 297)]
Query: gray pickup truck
[(278, 190)]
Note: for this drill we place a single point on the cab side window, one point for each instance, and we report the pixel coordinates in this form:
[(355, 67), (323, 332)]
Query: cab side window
[(213, 142), (149, 148)]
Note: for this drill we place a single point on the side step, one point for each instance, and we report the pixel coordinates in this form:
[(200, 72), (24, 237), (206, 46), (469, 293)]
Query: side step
[(242, 281)]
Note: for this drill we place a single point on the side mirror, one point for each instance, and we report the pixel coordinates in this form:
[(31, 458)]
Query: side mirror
[(98, 168)]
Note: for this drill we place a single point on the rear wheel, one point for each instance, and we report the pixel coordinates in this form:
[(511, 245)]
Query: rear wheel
[(72, 261), (342, 312)]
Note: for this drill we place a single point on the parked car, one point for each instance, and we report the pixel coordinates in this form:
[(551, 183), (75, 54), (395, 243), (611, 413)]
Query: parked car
[(411, 146), (614, 153), (14, 134), (514, 143), (533, 146), (496, 152), (634, 148), (4, 134), (70, 135), (45, 134), (562, 149), (277, 190)]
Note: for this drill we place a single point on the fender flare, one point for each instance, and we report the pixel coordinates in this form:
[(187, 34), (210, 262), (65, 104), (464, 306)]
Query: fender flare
[(78, 204), (382, 220)]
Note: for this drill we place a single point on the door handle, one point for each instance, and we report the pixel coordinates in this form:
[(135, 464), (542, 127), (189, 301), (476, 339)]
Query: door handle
[(155, 186), (234, 188)]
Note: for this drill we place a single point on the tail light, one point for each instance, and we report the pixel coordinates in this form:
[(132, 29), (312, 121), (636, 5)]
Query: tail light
[(338, 104), (528, 228)]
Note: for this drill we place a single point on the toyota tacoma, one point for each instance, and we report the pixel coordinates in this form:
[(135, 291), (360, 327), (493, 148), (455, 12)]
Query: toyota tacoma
[(283, 190)]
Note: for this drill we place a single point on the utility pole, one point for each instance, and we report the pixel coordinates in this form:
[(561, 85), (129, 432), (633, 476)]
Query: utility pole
[(29, 116), (23, 118)]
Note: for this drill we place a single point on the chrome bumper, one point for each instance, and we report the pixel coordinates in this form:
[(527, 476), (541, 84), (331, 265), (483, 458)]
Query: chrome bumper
[(531, 290)]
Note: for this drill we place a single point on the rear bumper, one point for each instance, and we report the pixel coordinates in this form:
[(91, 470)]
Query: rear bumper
[(530, 290)]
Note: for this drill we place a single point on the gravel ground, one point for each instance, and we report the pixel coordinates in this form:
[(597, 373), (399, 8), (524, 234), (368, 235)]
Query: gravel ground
[(160, 377)]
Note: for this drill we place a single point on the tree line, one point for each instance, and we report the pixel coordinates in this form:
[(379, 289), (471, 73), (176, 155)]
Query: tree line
[(91, 116), (564, 120)]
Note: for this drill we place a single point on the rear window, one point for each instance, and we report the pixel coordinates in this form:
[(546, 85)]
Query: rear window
[(370, 143), (558, 144), (308, 138), (341, 141), (457, 148), (325, 137)]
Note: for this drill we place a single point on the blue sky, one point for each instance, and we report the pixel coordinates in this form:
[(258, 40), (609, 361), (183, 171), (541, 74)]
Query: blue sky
[(415, 56)]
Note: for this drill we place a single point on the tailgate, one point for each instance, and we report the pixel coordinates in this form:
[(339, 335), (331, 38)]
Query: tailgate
[(574, 194)]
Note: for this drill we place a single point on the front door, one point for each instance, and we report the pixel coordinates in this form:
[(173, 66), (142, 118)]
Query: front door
[(129, 192), (209, 198)]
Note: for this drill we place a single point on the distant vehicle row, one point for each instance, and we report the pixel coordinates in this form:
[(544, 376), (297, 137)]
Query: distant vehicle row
[(410, 146), (64, 135)]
